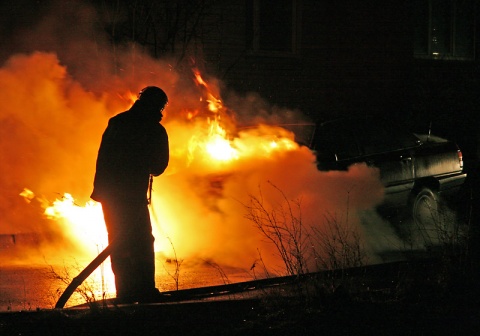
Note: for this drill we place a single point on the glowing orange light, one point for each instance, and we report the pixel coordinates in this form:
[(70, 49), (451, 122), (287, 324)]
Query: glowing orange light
[(203, 137), (198, 78), (86, 223), (28, 195), (217, 146), (129, 97), (214, 104), (86, 226)]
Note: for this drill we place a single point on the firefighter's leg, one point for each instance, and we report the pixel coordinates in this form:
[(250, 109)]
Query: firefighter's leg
[(144, 256), (116, 216)]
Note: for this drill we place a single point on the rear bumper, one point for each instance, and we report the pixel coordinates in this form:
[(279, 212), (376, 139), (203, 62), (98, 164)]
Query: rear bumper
[(450, 190), (451, 182)]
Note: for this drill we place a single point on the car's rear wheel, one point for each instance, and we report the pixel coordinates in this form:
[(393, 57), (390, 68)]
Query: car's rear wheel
[(428, 224)]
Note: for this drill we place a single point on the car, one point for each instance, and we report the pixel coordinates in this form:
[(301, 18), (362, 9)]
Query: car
[(421, 173)]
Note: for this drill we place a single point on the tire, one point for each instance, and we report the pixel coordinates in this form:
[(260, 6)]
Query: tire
[(428, 224)]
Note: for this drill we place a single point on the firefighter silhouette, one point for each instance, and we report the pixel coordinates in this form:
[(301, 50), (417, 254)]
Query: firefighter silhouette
[(134, 147)]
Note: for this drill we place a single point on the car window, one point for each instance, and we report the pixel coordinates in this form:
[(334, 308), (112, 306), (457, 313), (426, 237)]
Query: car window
[(345, 139), (378, 137), (336, 139)]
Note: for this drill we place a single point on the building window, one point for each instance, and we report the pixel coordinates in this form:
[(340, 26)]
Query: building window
[(444, 29), (273, 26)]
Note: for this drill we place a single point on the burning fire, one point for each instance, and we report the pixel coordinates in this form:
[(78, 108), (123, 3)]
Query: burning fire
[(210, 144), (85, 222), (215, 165), (217, 146), (55, 107)]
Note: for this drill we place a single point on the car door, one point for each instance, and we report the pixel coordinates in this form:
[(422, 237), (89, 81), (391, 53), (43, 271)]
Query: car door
[(391, 151)]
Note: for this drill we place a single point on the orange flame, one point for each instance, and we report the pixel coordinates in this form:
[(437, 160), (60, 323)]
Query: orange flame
[(207, 148), (86, 223), (215, 104), (53, 126), (208, 144)]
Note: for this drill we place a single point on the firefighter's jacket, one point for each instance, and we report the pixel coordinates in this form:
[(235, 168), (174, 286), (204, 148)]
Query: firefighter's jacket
[(134, 145)]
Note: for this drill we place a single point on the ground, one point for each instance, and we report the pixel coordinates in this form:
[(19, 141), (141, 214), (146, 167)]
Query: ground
[(252, 318), (395, 300)]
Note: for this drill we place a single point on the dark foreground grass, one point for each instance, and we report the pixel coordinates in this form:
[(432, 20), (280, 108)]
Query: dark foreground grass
[(404, 299), (247, 317)]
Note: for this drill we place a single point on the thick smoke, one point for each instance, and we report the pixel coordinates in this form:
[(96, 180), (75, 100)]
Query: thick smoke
[(58, 90)]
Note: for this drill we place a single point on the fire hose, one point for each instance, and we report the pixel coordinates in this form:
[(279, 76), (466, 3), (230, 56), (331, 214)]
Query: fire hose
[(99, 259), (80, 278)]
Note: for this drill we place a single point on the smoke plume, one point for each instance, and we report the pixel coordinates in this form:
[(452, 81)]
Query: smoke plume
[(58, 89)]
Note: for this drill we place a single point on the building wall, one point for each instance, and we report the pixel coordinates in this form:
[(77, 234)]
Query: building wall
[(446, 101), (353, 57)]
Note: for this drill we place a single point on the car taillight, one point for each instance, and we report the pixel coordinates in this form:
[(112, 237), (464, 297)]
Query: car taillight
[(460, 158)]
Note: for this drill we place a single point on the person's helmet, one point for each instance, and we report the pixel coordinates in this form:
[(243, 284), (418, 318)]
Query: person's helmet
[(154, 96)]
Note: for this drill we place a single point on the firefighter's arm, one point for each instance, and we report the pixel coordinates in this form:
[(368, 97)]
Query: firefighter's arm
[(160, 152)]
